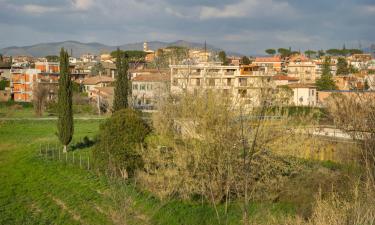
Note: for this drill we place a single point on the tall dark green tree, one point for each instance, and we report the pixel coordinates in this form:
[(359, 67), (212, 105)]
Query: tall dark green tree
[(122, 83), (326, 82), (223, 57), (245, 60), (342, 66), (65, 127)]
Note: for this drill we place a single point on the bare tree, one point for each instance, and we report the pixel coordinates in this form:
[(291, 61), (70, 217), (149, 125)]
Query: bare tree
[(40, 98)]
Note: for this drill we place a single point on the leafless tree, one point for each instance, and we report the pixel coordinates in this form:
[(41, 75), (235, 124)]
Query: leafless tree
[(40, 98)]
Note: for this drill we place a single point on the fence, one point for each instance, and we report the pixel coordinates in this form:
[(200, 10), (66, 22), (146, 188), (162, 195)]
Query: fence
[(54, 152)]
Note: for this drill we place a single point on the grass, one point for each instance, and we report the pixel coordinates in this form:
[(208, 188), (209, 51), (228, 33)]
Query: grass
[(38, 191)]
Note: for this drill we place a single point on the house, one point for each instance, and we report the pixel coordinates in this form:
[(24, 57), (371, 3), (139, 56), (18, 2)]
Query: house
[(102, 97), (303, 94), (90, 83), (303, 68), (284, 80), (149, 89)]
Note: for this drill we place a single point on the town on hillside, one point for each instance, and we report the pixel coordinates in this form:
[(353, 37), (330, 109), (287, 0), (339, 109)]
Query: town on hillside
[(301, 78)]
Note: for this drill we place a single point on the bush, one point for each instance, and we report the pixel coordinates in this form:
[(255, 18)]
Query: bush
[(119, 141)]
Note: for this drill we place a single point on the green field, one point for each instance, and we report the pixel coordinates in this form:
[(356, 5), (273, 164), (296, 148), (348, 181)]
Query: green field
[(38, 191)]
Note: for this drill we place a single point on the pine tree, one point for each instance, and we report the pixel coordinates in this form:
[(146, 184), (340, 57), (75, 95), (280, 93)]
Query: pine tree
[(342, 66), (65, 125), (326, 82), (122, 83)]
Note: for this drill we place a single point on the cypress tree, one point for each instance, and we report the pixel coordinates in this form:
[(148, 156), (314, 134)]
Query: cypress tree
[(65, 111), (122, 83)]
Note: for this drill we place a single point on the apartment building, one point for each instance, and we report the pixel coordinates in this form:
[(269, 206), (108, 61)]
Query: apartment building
[(24, 81), (302, 68), (241, 83)]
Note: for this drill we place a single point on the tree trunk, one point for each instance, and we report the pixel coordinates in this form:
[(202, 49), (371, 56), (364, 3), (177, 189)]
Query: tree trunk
[(65, 150)]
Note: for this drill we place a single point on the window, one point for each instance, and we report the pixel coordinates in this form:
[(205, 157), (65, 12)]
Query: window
[(211, 82), (142, 87), (135, 86), (175, 82), (198, 82), (242, 93), (243, 81), (229, 82), (312, 92)]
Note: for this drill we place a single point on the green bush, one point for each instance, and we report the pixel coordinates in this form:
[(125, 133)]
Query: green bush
[(119, 141)]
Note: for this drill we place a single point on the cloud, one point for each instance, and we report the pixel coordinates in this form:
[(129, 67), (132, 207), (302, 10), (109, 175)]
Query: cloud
[(82, 4), (245, 8), (38, 9)]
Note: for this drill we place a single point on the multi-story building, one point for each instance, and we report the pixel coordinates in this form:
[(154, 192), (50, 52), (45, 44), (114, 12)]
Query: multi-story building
[(24, 81), (241, 83), (302, 68), (273, 63)]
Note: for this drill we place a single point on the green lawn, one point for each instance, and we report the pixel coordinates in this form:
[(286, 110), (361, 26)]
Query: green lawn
[(34, 190)]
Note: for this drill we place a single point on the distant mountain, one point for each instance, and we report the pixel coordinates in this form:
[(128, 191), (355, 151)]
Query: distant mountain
[(78, 48)]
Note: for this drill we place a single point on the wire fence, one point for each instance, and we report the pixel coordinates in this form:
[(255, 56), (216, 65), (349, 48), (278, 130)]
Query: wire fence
[(54, 152)]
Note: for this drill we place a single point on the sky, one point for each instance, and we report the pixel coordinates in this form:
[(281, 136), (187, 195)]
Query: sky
[(244, 26)]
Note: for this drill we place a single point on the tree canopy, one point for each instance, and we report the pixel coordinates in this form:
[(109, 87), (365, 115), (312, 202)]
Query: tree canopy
[(223, 57), (131, 55), (342, 66), (310, 53), (245, 60), (52, 58), (270, 51), (122, 83)]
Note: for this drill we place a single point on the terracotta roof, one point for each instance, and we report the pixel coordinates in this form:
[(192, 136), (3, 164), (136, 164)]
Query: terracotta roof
[(284, 77), (152, 78), (299, 85), (268, 59), (97, 80), (301, 58)]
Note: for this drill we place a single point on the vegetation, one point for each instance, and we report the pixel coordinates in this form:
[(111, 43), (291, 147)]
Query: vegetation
[(223, 57), (119, 143), (65, 125), (131, 55), (52, 58), (326, 82), (343, 51), (40, 95), (97, 69), (284, 52), (342, 66), (121, 84), (270, 51), (310, 53), (4, 84), (245, 60)]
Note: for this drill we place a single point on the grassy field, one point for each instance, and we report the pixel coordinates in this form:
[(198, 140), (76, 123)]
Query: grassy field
[(38, 191)]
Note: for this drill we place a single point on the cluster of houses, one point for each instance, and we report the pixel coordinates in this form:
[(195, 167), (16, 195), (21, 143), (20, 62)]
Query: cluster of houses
[(293, 78)]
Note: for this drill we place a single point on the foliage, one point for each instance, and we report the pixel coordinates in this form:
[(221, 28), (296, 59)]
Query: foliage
[(284, 52), (343, 52), (97, 69), (321, 53), (326, 82), (65, 125), (270, 51), (223, 57), (121, 84), (52, 58), (40, 97), (310, 53), (86, 142), (119, 142), (4, 84), (342, 66), (131, 55), (245, 60)]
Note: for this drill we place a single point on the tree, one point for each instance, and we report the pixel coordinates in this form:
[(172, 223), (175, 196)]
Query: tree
[(325, 82), (40, 94), (52, 58), (121, 84), (223, 57), (1, 58), (284, 52), (270, 51), (245, 60), (310, 53), (321, 53), (65, 126), (342, 66), (119, 143), (97, 69)]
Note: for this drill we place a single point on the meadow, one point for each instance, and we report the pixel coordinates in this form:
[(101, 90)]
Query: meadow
[(38, 191)]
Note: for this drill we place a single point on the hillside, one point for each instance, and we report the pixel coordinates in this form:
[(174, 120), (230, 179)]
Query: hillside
[(78, 48)]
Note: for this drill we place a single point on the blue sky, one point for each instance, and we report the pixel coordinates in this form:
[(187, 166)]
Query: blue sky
[(245, 26)]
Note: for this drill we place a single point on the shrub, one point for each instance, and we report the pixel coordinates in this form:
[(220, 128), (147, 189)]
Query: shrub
[(119, 140)]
